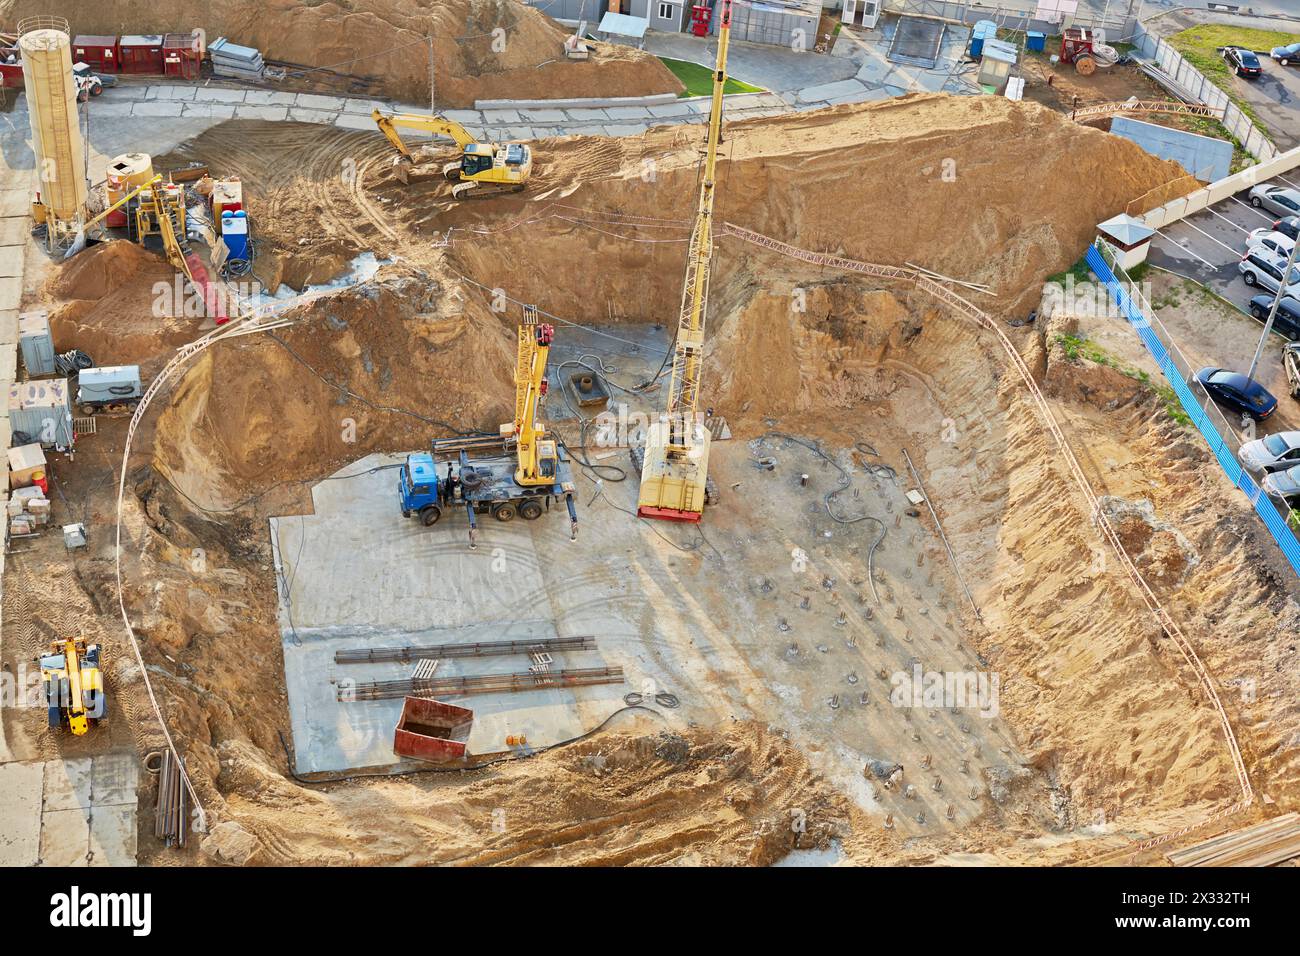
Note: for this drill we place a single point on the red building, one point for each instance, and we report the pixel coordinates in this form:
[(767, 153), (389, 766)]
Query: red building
[(99, 53), (142, 54), (180, 58)]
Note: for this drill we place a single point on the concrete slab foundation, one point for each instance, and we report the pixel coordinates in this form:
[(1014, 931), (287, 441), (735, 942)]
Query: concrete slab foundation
[(357, 574)]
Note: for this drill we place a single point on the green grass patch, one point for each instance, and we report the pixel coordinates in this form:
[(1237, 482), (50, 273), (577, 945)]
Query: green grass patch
[(1079, 270), (698, 80), (1078, 347), (1200, 47)]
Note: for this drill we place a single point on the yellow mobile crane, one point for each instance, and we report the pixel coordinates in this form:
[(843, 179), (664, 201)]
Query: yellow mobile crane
[(483, 168), (74, 685), (675, 461), (481, 472)]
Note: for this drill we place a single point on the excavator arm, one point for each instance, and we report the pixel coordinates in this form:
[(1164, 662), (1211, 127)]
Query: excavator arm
[(390, 123)]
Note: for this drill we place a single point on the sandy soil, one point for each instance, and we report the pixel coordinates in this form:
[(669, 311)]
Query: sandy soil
[(384, 39), (1102, 735)]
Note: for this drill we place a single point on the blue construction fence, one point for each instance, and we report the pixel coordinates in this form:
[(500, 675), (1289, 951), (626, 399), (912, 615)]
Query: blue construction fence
[(1275, 523)]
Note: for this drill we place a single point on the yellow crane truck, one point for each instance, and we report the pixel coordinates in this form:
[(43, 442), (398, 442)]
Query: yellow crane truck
[(74, 685)]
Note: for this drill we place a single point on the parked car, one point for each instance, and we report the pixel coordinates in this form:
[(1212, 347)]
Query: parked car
[(1271, 240), (1242, 62), (1284, 484), (1287, 321), (1276, 199), (1236, 392), (1286, 55), (1272, 453), (1289, 226), (1291, 363), (1263, 268)]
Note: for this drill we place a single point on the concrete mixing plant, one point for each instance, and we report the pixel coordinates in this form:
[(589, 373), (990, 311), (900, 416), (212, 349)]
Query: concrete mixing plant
[(46, 51)]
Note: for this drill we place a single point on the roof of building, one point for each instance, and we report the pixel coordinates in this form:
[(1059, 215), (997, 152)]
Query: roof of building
[(1126, 230)]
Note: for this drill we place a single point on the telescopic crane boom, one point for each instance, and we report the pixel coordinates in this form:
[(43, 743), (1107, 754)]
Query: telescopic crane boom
[(675, 469)]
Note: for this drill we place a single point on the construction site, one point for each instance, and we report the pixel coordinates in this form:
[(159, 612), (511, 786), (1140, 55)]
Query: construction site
[(438, 436)]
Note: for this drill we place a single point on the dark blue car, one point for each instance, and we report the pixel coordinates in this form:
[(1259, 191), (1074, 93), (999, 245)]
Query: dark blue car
[(1235, 391)]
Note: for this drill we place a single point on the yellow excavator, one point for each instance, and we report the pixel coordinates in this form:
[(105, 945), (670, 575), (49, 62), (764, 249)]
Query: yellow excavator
[(74, 685), (483, 169)]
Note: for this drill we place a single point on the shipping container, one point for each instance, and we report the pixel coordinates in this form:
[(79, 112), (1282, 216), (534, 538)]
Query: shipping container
[(180, 58), (41, 412), (99, 53), (141, 54)]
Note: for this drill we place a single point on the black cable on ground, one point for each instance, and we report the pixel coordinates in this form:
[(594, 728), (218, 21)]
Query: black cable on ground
[(845, 482), (487, 763)]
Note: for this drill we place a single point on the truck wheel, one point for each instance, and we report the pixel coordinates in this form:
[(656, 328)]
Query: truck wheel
[(430, 514), (530, 510), (504, 511)]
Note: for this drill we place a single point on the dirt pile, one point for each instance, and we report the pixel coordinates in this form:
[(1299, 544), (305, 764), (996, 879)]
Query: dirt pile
[(483, 49), (979, 188), (637, 796), (387, 365), (115, 301)]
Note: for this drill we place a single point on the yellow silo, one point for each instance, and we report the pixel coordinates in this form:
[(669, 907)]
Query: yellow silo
[(52, 106)]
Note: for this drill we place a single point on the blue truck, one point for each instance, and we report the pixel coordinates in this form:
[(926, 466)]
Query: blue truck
[(483, 484)]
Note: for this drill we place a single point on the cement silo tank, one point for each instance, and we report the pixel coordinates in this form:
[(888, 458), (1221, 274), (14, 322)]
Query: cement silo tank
[(52, 105)]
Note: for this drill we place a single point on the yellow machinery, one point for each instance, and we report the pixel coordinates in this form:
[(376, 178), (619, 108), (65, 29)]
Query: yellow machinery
[(483, 168), (675, 461), (74, 685), (537, 456)]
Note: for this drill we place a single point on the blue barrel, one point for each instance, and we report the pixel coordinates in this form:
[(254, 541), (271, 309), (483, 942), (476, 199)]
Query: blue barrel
[(1036, 41)]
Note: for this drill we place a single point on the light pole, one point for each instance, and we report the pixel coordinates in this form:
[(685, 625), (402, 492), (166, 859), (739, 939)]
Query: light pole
[(1272, 313)]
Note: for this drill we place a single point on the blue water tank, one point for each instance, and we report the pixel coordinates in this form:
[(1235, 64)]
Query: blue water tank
[(234, 232), (1036, 41)]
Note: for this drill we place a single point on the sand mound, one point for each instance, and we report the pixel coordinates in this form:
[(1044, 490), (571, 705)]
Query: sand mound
[(384, 366), (979, 188), (384, 39), (101, 269)]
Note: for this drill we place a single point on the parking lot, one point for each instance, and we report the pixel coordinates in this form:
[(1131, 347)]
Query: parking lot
[(1207, 246)]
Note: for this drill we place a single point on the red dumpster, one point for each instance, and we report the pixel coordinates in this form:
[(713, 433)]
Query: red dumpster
[(180, 58), (99, 53), (431, 730), (142, 54)]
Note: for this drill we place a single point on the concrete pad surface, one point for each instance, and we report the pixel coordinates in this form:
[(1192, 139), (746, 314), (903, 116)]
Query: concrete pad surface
[(68, 784), (357, 574), (157, 108), (354, 121), (819, 94), (65, 837), (217, 95), (269, 98), (112, 839), (20, 823)]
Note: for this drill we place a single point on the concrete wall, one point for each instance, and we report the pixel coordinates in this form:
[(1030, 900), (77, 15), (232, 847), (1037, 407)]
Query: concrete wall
[(576, 10), (1208, 159), (1195, 202)]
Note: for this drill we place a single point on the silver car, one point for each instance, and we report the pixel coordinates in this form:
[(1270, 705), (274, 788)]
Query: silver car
[(1281, 200), (1271, 453), (1284, 484)]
